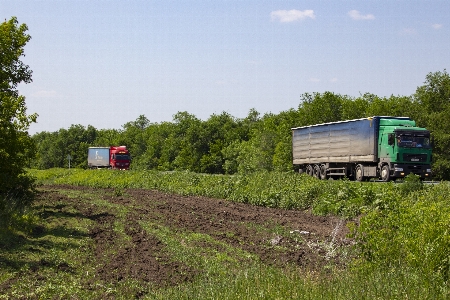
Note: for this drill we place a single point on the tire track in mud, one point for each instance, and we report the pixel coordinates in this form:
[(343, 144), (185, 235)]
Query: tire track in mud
[(304, 240), (136, 256), (278, 237), (141, 259)]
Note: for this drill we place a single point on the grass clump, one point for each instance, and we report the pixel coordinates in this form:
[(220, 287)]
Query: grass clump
[(412, 233)]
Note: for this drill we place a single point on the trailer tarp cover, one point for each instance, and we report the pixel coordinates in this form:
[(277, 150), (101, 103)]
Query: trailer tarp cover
[(347, 141)]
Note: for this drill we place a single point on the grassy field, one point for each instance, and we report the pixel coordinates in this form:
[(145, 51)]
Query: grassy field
[(69, 243)]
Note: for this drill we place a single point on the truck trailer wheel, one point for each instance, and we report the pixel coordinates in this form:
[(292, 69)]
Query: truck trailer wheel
[(385, 173), (359, 173), (317, 171), (323, 172), (310, 170)]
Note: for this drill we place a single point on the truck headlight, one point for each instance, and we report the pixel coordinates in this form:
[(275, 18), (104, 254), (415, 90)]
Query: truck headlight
[(398, 169)]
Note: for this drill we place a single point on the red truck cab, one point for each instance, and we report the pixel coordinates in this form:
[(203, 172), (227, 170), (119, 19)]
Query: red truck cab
[(119, 158)]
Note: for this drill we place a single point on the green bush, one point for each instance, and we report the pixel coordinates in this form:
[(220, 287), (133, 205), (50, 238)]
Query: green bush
[(413, 232)]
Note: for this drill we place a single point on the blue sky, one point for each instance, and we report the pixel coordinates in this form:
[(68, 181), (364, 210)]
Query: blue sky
[(104, 63)]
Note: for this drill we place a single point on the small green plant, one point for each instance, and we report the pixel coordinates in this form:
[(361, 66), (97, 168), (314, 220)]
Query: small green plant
[(411, 183), (118, 191)]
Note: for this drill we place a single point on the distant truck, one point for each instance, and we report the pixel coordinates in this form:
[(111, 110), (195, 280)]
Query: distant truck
[(378, 147), (109, 157)]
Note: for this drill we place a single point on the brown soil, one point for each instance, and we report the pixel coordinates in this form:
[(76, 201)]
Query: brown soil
[(278, 237)]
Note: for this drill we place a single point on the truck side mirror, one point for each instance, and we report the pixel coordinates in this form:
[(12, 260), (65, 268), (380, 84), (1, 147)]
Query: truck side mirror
[(391, 139)]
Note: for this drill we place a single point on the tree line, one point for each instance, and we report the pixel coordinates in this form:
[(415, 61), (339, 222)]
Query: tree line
[(223, 144)]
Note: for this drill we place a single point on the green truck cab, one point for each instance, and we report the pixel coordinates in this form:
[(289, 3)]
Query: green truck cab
[(403, 149)]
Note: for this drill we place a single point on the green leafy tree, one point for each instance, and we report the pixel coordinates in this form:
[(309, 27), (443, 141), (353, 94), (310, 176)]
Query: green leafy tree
[(396, 106), (219, 131), (354, 108), (46, 156), (234, 153), (319, 108), (257, 153), (53, 148), (189, 137), (285, 121), (108, 137), (231, 154), (433, 99), (16, 146), (77, 140), (163, 146), (134, 137)]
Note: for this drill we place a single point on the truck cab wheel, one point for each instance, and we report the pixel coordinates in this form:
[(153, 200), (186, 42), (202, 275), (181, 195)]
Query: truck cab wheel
[(385, 173)]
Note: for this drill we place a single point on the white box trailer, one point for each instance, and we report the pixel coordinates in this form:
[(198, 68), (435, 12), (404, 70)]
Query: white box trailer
[(98, 157)]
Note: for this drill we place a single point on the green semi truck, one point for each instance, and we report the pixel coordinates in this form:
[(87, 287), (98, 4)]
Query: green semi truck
[(378, 147)]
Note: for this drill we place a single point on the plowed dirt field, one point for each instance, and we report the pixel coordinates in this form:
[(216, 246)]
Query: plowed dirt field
[(277, 237)]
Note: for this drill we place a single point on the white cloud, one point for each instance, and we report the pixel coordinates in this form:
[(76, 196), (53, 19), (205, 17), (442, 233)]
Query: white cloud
[(314, 79), (45, 94), (356, 15), (333, 80), (285, 16), (437, 26)]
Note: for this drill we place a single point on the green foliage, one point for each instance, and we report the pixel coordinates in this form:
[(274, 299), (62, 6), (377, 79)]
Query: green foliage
[(14, 204), (320, 108), (134, 137), (347, 199), (53, 148), (411, 183), (412, 233), (393, 106), (16, 146), (13, 71), (433, 99)]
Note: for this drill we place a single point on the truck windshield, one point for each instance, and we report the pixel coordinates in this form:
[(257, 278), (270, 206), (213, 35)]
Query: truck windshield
[(413, 141), (122, 157)]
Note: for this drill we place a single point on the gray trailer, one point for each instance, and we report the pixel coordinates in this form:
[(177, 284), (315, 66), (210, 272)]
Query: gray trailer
[(361, 149), (98, 157)]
